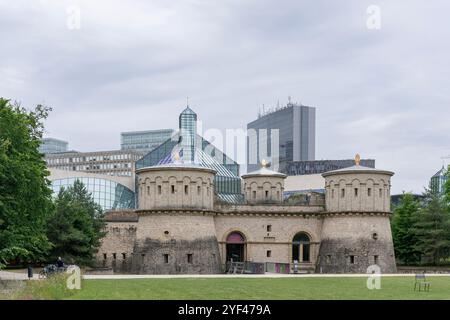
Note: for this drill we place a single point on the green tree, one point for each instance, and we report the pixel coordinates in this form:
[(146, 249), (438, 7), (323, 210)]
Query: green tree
[(405, 239), (446, 193), (25, 196), (77, 227), (432, 228)]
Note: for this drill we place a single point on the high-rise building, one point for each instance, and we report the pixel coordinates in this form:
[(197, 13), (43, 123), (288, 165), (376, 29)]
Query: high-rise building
[(144, 141), (296, 125), (52, 145), (438, 180)]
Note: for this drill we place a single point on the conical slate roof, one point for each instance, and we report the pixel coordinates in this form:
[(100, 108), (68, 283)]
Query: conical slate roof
[(357, 168), (264, 172)]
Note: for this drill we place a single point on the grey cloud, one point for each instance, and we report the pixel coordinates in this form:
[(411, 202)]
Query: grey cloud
[(132, 64)]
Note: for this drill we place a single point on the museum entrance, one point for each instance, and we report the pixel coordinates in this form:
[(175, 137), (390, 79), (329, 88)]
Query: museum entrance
[(235, 247), (301, 247)]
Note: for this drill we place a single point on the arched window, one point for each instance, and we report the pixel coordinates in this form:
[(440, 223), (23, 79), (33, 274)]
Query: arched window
[(235, 237), (301, 247)]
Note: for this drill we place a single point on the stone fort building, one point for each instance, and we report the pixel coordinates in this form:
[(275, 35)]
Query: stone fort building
[(180, 226)]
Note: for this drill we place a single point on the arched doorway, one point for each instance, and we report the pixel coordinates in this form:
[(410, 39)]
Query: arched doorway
[(301, 247), (235, 247)]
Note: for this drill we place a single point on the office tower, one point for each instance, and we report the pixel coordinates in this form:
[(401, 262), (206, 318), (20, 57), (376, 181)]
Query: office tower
[(296, 126)]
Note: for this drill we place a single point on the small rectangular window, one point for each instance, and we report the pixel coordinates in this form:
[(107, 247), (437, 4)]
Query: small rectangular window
[(352, 259), (166, 258), (159, 189), (198, 190), (356, 192), (186, 190), (148, 190), (369, 192), (172, 188), (267, 194), (269, 253), (114, 256), (342, 193), (124, 256), (189, 258), (269, 228), (254, 194), (375, 259), (104, 256)]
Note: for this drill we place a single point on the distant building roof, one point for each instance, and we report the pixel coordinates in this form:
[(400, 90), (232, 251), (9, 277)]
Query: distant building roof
[(304, 182), (440, 173)]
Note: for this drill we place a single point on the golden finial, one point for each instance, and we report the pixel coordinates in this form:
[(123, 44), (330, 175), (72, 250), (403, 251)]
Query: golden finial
[(357, 159), (264, 163), (176, 156)]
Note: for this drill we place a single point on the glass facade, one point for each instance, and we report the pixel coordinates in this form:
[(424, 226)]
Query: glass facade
[(296, 133), (51, 145), (297, 168), (437, 181), (108, 194), (188, 133), (144, 141)]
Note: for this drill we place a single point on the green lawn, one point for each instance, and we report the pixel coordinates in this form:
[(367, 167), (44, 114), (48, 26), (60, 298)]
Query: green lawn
[(260, 288)]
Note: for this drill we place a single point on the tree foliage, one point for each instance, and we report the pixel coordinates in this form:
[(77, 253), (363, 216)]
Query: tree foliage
[(402, 225), (77, 227), (25, 196), (432, 228)]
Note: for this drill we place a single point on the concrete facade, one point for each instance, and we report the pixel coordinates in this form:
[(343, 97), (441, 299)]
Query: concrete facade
[(179, 230)]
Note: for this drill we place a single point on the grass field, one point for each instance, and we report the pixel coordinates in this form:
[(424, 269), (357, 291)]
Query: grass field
[(260, 288)]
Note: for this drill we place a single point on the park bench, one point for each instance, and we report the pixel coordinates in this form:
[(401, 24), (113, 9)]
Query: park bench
[(236, 268), (421, 282)]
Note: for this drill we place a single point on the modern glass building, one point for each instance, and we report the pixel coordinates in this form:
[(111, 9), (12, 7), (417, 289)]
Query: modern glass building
[(188, 132), (114, 162), (296, 168), (296, 125), (110, 195), (144, 141), (438, 180), (52, 145), (190, 146)]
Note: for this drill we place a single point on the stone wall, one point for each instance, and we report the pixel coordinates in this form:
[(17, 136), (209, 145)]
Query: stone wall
[(174, 187), (199, 256), (260, 189), (350, 243), (118, 245), (358, 192), (258, 240)]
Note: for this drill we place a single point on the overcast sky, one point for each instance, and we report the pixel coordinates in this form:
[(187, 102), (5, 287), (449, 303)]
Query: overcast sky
[(383, 93)]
